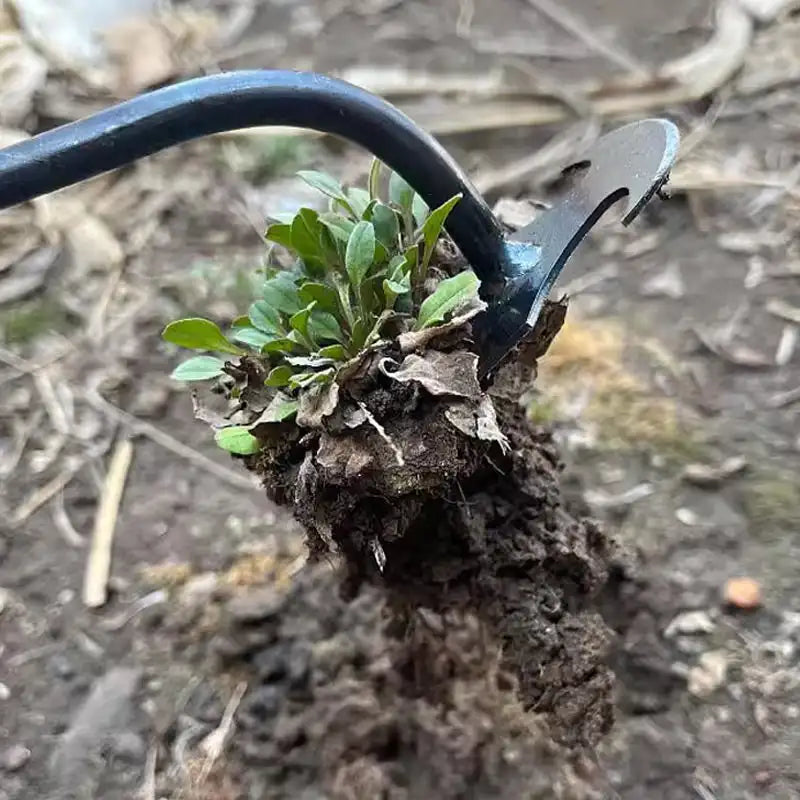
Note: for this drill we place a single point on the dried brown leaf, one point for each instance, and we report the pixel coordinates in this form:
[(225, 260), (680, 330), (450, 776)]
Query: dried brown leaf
[(477, 420), (316, 403), (419, 340), (454, 374)]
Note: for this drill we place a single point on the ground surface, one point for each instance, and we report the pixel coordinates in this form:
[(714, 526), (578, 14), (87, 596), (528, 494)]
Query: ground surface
[(708, 700)]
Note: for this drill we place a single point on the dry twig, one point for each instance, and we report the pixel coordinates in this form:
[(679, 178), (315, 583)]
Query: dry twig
[(580, 30), (214, 744), (98, 566)]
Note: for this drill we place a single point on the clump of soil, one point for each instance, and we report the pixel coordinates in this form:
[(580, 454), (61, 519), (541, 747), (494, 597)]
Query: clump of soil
[(436, 491), (351, 699)]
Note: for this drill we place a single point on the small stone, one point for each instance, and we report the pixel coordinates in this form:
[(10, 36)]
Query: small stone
[(65, 597), (4, 599), (709, 674), (687, 517), (5, 692), (742, 593), (689, 623), (14, 758)]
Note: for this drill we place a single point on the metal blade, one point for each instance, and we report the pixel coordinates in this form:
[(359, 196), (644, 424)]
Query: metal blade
[(632, 161)]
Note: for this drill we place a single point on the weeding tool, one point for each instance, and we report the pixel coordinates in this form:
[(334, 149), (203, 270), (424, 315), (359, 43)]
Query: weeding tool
[(516, 272)]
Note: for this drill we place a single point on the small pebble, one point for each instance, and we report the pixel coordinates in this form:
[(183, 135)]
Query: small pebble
[(687, 517), (689, 623), (14, 758), (5, 692), (709, 674), (65, 597), (743, 593)]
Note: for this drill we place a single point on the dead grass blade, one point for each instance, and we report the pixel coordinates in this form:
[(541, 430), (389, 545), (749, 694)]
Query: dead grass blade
[(98, 566), (576, 27), (693, 77)]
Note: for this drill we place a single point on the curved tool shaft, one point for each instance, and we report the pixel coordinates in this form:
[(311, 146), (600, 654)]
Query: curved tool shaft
[(229, 101)]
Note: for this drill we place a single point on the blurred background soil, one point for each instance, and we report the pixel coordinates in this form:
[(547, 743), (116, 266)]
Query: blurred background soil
[(673, 390)]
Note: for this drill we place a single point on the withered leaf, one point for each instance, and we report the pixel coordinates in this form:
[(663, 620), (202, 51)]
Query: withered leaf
[(477, 420), (454, 374), (419, 340), (316, 403)]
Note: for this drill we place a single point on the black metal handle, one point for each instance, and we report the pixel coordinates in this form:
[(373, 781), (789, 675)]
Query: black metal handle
[(229, 101)]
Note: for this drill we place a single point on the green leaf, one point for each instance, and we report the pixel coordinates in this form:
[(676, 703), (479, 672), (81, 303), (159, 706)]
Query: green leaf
[(242, 322), (400, 193), (252, 337), (305, 234), (450, 295), (419, 209), (237, 439), (359, 335), (374, 178), (392, 289), (358, 200), (432, 229), (265, 317), (280, 292), (343, 290), (396, 287), (279, 376), (199, 368), (339, 226), (199, 334), (324, 327), (299, 321), (398, 267), (360, 253), (331, 250), (281, 407), (281, 234), (411, 255), (284, 345), (305, 379), (324, 183), (387, 226), (324, 296), (282, 217), (333, 351)]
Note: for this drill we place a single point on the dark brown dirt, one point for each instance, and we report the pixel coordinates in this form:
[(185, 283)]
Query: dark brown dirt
[(466, 525), (351, 700)]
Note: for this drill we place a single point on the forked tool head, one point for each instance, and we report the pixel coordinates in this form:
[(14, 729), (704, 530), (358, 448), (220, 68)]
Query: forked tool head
[(631, 162)]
